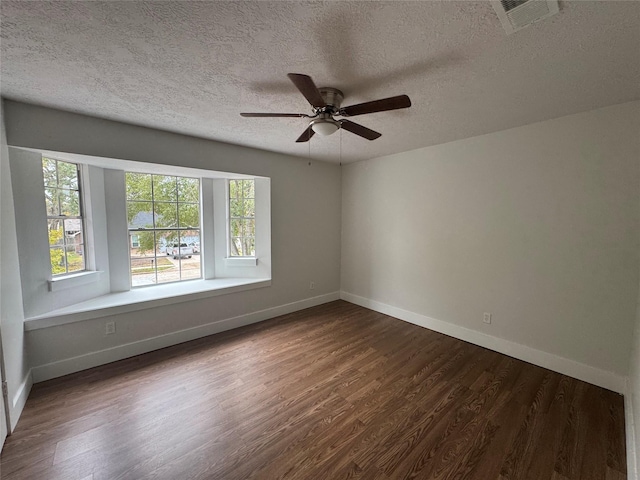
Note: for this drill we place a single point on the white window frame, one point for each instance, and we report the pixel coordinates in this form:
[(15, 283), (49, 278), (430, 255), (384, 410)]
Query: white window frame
[(60, 217)]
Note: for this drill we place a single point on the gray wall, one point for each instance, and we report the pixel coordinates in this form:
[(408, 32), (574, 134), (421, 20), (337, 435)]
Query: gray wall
[(632, 401), (11, 314), (305, 205), (538, 225)]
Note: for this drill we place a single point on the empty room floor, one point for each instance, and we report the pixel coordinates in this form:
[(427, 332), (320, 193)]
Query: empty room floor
[(335, 391)]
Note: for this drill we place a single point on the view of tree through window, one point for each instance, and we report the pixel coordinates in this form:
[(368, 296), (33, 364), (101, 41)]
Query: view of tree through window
[(64, 216), (242, 218), (163, 214)]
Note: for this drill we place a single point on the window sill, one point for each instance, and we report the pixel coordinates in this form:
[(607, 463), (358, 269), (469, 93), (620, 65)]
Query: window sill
[(73, 280), (141, 299), (241, 261)]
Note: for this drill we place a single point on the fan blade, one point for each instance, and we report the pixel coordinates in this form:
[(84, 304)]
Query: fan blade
[(297, 115), (307, 88), (306, 135), (360, 130), (391, 103)]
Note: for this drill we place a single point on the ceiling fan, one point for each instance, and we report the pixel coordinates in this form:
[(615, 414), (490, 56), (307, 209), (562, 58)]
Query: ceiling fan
[(326, 103)]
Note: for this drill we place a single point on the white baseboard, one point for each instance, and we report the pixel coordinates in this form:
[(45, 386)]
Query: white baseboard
[(601, 378), (93, 359), (630, 431), (20, 399)]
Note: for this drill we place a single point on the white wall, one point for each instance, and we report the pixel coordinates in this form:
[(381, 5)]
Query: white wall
[(538, 225), (632, 402), (11, 314), (305, 229)]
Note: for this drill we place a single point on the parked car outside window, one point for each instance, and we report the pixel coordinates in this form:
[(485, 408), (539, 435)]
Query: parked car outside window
[(183, 251)]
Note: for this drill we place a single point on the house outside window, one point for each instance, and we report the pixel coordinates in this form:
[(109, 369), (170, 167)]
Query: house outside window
[(242, 218), (163, 214), (65, 225)]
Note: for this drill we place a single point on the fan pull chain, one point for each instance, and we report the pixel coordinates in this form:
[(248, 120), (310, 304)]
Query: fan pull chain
[(309, 142)]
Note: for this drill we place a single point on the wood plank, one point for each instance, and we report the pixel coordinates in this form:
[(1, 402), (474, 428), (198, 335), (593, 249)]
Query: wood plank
[(335, 391)]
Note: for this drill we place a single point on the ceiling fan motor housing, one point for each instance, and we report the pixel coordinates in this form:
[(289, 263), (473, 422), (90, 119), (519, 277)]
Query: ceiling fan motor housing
[(333, 98), (324, 124)]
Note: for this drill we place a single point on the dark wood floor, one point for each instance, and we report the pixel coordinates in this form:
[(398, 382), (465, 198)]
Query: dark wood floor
[(332, 392)]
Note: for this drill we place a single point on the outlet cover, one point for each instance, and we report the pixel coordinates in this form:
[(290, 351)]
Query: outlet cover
[(110, 328), (486, 318)]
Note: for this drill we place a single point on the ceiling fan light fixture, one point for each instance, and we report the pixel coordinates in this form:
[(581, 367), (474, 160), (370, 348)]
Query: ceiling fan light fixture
[(323, 126), (326, 102)]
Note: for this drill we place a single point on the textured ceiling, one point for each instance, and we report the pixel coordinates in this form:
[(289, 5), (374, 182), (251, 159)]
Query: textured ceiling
[(192, 67)]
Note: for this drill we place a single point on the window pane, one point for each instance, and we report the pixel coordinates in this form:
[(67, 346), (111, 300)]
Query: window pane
[(236, 247), (69, 202), (235, 226), (57, 261), (140, 214), (67, 175), (193, 240), (188, 190), (190, 268), (236, 208), (249, 246), (168, 269), (51, 199), (143, 260), (73, 231), (162, 242), (145, 245), (249, 228), (171, 238), (138, 186), (56, 232), (75, 259), (164, 188), (233, 189), (49, 172), (189, 215), (166, 214), (168, 266), (249, 208), (248, 188)]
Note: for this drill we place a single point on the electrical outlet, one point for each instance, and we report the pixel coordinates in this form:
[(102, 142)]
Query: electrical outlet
[(312, 285), (110, 328), (486, 318)]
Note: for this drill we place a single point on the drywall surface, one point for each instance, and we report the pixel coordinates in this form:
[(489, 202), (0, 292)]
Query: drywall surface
[(537, 225), (305, 224), (11, 314), (632, 403)]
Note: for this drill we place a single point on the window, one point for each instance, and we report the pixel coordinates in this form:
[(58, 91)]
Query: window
[(64, 216), (242, 218), (163, 214), (101, 234)]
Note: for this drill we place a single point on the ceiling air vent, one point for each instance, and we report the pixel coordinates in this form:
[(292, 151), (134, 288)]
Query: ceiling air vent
[(517, 14)]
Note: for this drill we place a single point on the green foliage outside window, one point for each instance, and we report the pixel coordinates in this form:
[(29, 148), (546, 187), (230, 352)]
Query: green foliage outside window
[(242, 218)]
